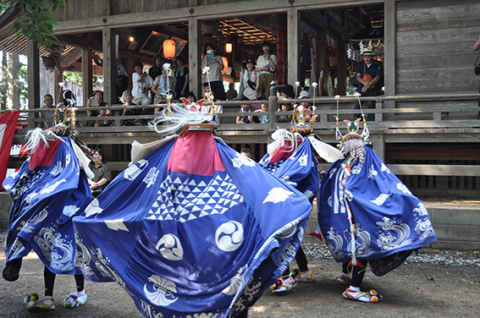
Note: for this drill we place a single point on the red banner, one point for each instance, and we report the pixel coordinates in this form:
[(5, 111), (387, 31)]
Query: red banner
[(8, 123)]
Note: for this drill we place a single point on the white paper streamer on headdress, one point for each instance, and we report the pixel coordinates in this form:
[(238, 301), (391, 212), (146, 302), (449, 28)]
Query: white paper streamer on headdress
[(178, 119)]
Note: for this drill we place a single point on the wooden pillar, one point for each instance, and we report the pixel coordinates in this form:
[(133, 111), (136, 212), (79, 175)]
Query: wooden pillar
[(389, 66), (33, 81), (87, 74), (194, 47), (341, 67), (58, 98), (109, 68), (379, 145), (293, 46)]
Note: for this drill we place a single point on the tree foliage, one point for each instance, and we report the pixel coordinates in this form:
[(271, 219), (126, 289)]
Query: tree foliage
[(36, 21)]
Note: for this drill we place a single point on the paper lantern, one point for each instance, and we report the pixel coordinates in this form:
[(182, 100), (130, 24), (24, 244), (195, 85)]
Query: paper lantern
[(228, 48), (169, 48), (225, 64)]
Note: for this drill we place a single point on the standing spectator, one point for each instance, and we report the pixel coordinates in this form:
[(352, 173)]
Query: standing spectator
[(101, 171), (155, 71), (47, 104), (97, 101), (231, 93), (215, 63), (163, 85), (121, 79), (249, 81), (369, 74), (181, 78), (141, 83), (266, 65), (476, 47)]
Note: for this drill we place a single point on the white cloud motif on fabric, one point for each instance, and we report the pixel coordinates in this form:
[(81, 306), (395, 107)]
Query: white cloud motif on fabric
[(236, 282), (277, 195), (384, 168), (372, 173), (240, 160), (229, 236), (52, 187), (116, 225), (303, 160), (133, 171), (403, 188), (70, 210), (93, 208), (151, 177), (170, 247), (163, 293), (380, 200)]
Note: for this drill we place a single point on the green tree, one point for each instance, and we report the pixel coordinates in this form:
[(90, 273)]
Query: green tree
[(35, 20)]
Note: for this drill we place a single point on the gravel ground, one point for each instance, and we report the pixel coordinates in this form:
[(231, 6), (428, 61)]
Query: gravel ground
[(434, 283)]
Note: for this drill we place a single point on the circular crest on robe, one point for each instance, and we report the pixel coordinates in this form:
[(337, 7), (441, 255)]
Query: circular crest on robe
[(229, 236), (170, 247)]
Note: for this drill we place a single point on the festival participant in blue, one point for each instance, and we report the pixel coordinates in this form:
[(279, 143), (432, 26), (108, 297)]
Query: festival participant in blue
[(367, 215), (290, 158), (191, 236), (50, 188)]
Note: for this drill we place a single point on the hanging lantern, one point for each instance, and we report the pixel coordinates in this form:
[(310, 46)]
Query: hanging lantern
[(225, 64), (169, 48), (228, 47)]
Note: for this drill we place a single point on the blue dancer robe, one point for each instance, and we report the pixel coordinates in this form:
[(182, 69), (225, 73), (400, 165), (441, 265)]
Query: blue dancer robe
[(194, 229)]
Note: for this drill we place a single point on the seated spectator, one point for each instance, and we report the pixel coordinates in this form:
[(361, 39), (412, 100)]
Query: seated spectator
[(285, 108), (307, 105), (208, 109), (249, 81), (97, 101), (48, 104), (101, 170), (231, 93), (246, 152), (190, 96), (127, 101), (264, 118), (286, 92), (245, 108)]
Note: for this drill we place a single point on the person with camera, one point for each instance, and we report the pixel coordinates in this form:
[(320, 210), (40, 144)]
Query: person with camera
[(476, 47), (266, 65), (215, 63), (369, 74)]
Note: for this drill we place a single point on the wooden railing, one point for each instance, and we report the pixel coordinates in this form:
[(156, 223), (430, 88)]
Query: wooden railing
[(389, 120), (398, 120)]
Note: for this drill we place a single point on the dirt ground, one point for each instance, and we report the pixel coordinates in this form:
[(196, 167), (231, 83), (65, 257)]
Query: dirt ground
[(412, 290)]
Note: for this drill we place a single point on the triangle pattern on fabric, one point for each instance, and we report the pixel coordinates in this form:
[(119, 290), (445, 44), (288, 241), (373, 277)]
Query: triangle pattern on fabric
[(187, 198)]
